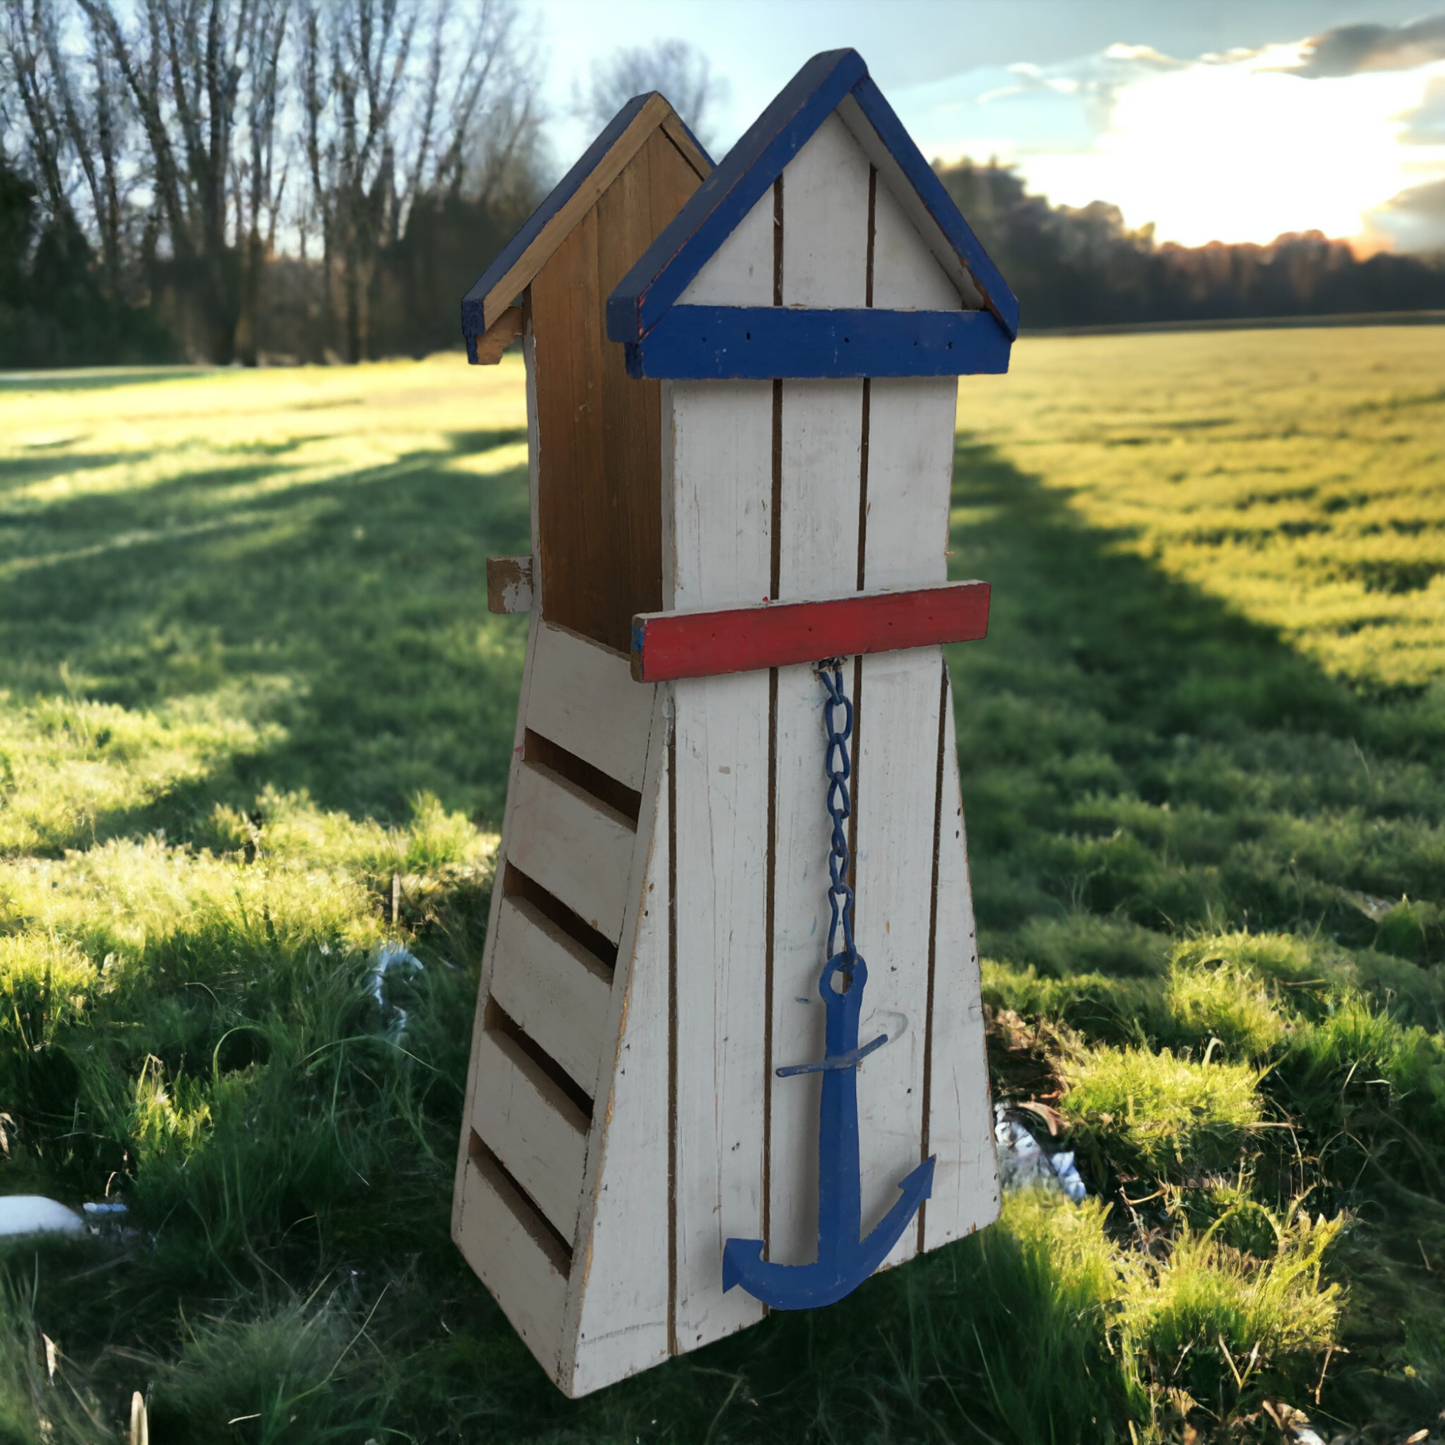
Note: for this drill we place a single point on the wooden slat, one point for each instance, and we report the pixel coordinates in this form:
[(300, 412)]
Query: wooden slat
[(911, 425), (896, 788), (721, 839), (584, 699), (509, 584), (717, 470), (535, 257), (717, 449), (554, 989), (600, 474), (910, 475), (621, 1306), (825, 240), (537, 1132), (825, 221), (514, 1256), (573, 845), (489, 952), (669, 645), (960, 1114)]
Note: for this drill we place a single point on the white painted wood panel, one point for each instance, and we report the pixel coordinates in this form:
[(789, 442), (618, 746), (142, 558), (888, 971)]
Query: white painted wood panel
[(889, 172), (721, 837), (894, 799), (583, 698), (825, 220), (960, 1132), (800, 937), (619, 1311), (575, 846), (717, 486), (910, 479), (489, 951), (822, 451), (537, 1132), (523, 1268), (906, 277), (740, 271), (717, 440), (555, 990)]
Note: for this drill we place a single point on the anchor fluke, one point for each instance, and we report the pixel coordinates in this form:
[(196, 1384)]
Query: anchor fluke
[(808, 1286)]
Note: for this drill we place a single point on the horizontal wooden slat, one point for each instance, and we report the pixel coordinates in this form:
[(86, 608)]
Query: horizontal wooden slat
[(575, 846), (670, 645), (553, 988), (537, 1132), (514, 1255), (584, 699), (702, 342)]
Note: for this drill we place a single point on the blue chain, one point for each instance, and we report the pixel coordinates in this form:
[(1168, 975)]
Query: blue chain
[(838, 766)]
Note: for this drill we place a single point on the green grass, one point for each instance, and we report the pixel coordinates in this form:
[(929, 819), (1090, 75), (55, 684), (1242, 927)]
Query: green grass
[(248, 686)]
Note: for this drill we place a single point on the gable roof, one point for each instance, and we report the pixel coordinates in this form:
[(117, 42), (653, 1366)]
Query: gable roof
[(577, 192), (834, 80)]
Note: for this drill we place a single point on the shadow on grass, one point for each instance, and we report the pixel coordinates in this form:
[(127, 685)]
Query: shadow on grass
[(1135, 749), (1135, 755), (360, 601), (88, 380)]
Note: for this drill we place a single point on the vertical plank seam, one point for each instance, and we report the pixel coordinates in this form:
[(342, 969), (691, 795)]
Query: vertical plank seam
[(862, 571), (775, 566), (672, 1346), (872, 232), (769, 926), (775, 535), (933, 935)]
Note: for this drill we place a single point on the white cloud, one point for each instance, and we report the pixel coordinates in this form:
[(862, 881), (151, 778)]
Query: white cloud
[(1237, 146)]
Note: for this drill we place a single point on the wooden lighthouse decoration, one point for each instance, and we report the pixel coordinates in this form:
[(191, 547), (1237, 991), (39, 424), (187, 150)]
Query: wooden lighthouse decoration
[(729, 1049)]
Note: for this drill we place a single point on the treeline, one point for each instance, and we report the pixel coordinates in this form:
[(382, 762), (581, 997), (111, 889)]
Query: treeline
[(1083, 267), (307, 180), (255, 179)]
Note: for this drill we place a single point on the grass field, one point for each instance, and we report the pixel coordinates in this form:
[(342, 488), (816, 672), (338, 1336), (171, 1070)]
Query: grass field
[(248, 686)]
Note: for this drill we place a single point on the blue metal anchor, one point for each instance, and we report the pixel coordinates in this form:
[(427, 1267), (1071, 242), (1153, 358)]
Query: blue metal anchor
[(845, 1259)]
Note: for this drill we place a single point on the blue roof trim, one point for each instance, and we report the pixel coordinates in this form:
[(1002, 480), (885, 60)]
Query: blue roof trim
[(474, 323), (717, 207), (940, 205), (705, 342)]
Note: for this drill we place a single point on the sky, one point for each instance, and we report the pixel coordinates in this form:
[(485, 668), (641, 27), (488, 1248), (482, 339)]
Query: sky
[(1214, 120)]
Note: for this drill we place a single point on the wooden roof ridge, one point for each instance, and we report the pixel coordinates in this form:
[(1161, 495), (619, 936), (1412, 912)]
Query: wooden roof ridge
[(569, 201), (832, 80)]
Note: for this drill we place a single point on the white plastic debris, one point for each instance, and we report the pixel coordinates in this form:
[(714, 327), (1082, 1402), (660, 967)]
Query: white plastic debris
[(25, 1214), (107, 1210), (1022, 1164), (391, 956)]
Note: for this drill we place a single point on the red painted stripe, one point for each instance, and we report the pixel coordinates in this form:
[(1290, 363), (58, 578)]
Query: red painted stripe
[(667, 645)]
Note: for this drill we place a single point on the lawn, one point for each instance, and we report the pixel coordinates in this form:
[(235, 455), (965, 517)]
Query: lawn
[(254, 724)]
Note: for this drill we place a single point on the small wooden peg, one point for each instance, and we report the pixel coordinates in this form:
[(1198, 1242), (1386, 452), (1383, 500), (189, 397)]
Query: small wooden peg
[(499, 336)]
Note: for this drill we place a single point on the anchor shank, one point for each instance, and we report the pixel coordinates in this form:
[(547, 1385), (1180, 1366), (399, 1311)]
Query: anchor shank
[(840, 1206)]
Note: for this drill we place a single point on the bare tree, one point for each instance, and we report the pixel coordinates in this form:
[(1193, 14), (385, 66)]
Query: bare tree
[(186, 142), (682, 73), (375, 144), (186, 67)]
